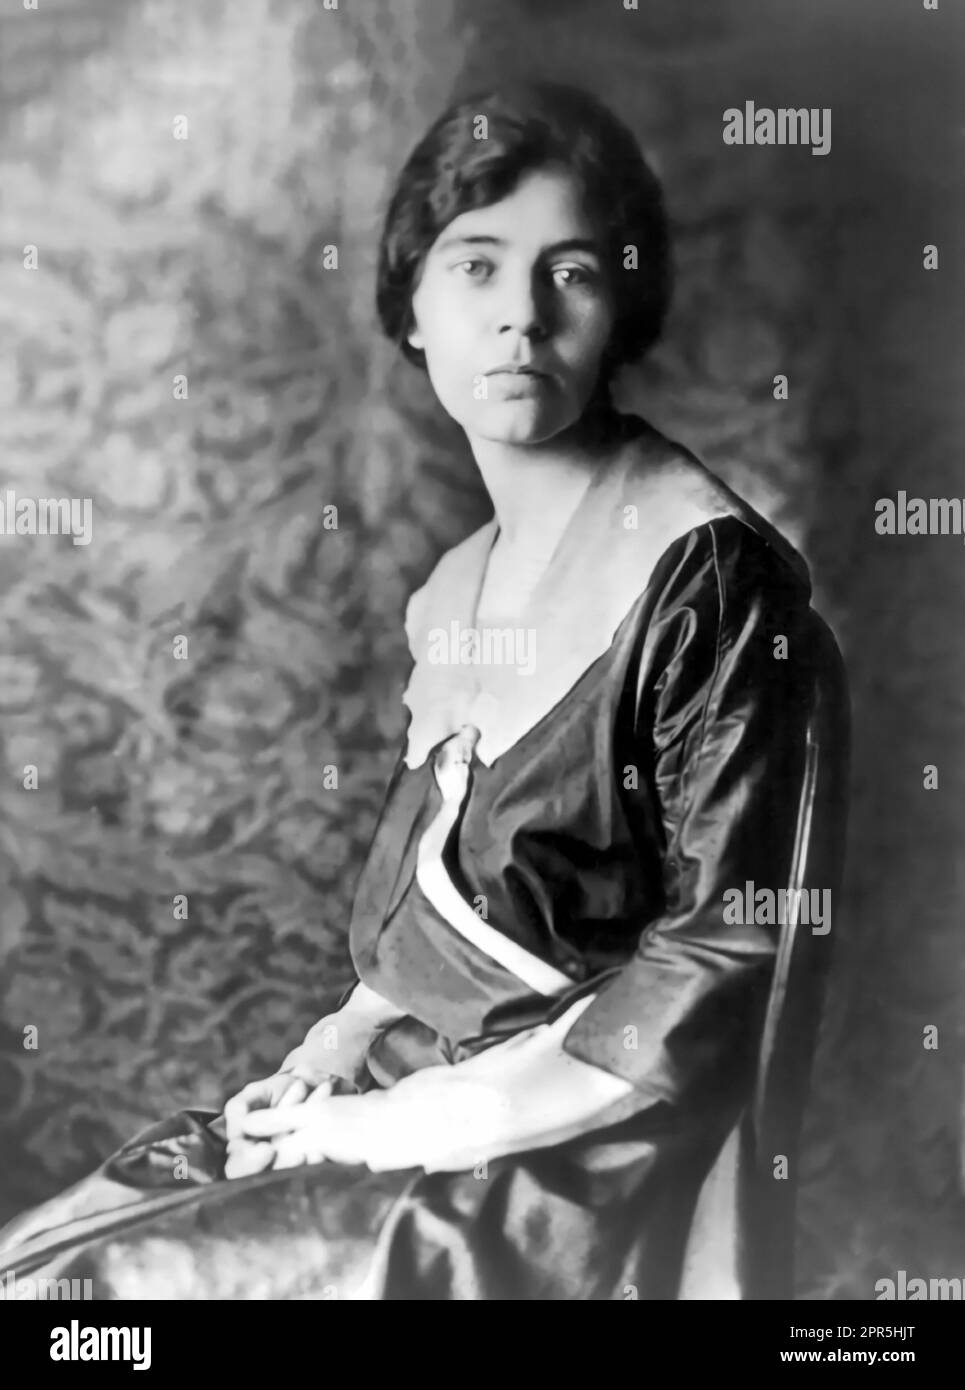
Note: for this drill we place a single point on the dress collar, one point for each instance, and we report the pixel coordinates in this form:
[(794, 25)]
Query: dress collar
[(505, 680)]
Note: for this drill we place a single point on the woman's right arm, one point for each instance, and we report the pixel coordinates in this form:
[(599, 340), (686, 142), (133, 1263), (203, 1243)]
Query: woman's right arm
[(337, 1044)]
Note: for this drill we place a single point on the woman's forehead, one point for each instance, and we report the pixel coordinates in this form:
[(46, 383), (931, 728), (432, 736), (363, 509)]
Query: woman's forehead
[(546, 210)]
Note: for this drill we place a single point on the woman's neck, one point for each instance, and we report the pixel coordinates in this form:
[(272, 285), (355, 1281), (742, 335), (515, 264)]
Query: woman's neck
[(535, 488)]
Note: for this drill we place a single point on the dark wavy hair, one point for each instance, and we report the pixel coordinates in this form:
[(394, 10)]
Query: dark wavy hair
[(530, 125)]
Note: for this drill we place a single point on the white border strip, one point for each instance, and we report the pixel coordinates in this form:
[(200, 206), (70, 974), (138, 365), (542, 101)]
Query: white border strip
[(433, 878)]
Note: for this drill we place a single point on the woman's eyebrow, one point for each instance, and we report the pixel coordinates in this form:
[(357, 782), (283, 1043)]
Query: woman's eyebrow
[(570, 244)]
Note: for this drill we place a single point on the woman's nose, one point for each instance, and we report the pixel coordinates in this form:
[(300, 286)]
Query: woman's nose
[(525, 308)]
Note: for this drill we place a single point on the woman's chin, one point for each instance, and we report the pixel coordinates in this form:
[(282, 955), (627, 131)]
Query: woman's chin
[(516, 422)]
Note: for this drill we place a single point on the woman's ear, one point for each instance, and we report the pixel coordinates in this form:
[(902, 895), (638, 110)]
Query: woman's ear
[(414, 338)]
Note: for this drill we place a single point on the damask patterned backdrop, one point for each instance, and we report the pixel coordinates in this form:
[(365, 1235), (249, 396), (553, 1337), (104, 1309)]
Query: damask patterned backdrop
[(269, 484)]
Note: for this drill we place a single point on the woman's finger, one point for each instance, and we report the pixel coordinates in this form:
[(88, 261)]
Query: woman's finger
[(294, 1095), (244, 1158), (234, 1111), (266, 1124), (291, 1152), (256, 1093)]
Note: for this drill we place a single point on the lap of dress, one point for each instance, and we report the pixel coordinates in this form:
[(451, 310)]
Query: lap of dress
[(602, 1217)]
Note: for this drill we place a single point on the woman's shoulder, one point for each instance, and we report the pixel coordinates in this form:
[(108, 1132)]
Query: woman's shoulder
[(706, 524)]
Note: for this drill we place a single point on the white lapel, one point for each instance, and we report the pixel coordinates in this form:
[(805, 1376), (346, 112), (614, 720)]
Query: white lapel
[(652, 494)]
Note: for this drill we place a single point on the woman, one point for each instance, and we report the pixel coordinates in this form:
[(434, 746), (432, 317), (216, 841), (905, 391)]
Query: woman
[(554, 1024)]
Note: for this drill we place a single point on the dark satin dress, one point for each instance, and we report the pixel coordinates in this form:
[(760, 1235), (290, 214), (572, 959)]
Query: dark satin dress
[(648, 761)]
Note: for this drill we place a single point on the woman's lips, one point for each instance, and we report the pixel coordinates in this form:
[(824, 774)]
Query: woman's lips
[(509, 369), (519, 383)]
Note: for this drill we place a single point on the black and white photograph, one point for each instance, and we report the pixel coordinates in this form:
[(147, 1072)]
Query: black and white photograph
[(481, 676)]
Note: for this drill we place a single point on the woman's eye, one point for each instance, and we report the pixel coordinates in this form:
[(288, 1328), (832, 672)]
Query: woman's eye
[(573, 274), (473, 268)]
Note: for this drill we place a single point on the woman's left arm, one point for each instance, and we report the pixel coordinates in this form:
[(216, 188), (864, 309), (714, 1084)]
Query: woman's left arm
[(525, 1093)]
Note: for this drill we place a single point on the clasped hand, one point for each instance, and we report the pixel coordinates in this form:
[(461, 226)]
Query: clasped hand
[(431, 1119)]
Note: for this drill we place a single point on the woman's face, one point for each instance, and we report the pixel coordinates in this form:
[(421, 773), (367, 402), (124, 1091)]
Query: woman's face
[(517, 284)]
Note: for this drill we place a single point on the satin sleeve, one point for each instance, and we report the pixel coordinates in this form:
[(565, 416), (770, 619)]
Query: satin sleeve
[(720, 730)]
